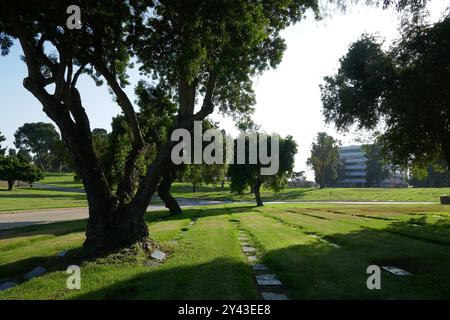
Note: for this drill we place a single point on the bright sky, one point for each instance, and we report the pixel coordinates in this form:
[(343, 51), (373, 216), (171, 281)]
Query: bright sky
[(288, 98)]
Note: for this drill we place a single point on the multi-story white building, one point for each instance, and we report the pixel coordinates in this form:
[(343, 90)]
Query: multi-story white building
[(354, 159)]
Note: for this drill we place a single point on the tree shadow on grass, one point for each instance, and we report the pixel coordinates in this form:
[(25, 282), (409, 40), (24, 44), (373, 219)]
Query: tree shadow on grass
[(57, 229), (191, 213), (314, 270), (17, 269), (218, 279), (320, 271), (420, 229)]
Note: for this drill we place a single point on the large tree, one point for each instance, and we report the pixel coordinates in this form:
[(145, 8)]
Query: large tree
[(404, 88), (42, 140), (18, 168), (433, 176), (376, 166), (325, 160), (197, 49), (247, 175)]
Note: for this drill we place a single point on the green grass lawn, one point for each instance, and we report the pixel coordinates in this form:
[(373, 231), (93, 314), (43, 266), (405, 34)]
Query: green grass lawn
[(64, 180), (33, 199), (184, 190), (25, 198), (318, 251)]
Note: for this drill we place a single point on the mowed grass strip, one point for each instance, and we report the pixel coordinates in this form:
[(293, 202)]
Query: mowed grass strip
[(20, 199), (312, 269), (314, 194), (205, 264), (432, 226)]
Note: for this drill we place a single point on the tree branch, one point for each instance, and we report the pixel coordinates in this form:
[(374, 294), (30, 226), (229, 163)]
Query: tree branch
[(207, 105), (26, 44), (124, 103), (77, 74)]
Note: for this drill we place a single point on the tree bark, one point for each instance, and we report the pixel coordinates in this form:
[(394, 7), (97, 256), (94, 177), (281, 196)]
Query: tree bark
[(11, 184), (257, 189), (111, 226), (165, 195), (194, 187)]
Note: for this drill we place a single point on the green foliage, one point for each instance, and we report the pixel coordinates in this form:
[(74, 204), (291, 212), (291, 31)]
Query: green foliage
[(186, 41), (325, 160), (199, 174), (13, 168), (44, 142), (246, 175), (156, 119), (376, 170), (2, 139), (405, 88), (434, 175)]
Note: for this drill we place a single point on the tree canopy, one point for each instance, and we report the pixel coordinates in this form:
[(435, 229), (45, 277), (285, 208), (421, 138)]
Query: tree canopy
[(43, 141), (404, 88), (14, 168), (376, 165), (247, 175), (2, 139), (325, 160)]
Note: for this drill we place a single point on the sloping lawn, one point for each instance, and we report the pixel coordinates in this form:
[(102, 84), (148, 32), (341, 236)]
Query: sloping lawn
[(318, 251)]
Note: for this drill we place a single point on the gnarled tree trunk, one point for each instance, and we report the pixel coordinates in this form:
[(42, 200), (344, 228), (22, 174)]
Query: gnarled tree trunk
[(165, 195), (257, 188)]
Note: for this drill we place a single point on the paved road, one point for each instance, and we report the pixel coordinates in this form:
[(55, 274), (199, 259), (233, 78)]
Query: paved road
[(12, 220)]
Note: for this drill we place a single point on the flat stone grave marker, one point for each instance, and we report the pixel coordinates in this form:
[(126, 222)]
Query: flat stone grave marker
[(334, 245), (151, 263), (36, 272), (61, 254), (273, 296), (252, 258), (267, 280), (246, 249), (7, 285), (158, 255), (243, 239), (313, 236), (396, 271), (259, 267)]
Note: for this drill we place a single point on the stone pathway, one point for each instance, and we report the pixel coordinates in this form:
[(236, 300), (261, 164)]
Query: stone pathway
[(269, 286), (157, 256)]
